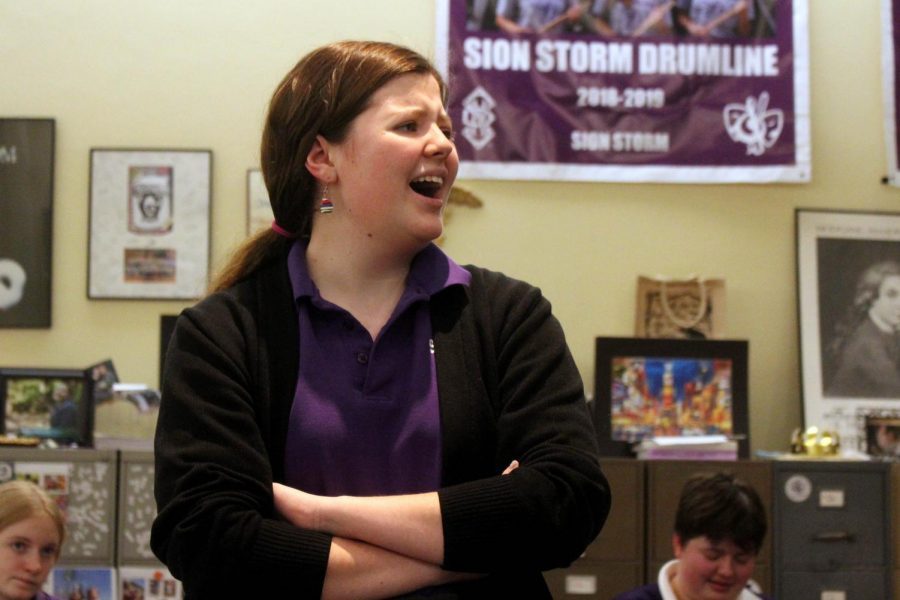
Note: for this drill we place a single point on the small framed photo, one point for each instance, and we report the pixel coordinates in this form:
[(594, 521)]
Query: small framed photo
[(104, 377), (259, 211), (82, 582), (149, 223), (647, 388), (53, 404), (848, 300), (148, 583), (883, 435)]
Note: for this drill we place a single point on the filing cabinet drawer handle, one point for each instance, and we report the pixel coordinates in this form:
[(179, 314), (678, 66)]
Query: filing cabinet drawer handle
[(834, 536)]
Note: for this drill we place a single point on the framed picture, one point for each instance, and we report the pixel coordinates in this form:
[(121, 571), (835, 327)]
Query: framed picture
[(55, 404), (149, 223), (848, 301), (104, 377), (148, 583), (259, 211), (882, 435), (26, 221), (648, 387), (82, 582)]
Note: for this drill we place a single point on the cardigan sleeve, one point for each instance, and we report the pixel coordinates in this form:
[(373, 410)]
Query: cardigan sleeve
[(544, 514), (216, 527)]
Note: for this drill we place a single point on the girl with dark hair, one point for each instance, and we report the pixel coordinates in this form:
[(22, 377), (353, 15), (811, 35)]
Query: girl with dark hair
[(351, 414)]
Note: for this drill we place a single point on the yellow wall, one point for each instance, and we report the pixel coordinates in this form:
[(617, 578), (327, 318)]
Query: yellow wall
[(198, 74)]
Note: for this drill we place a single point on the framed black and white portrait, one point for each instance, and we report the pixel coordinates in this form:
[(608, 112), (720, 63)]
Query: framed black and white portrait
[(848, 271), (149, 223)]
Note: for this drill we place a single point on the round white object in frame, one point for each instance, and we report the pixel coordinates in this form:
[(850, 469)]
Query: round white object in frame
[(12, 283)]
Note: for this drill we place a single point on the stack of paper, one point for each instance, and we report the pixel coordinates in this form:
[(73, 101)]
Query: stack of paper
[(694, 447)]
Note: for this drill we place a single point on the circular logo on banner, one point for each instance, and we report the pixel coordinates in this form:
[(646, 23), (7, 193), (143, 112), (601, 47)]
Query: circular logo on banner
[(798, 488)]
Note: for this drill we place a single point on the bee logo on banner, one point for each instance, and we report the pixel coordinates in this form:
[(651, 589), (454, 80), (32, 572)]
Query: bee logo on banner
[(689, 91)]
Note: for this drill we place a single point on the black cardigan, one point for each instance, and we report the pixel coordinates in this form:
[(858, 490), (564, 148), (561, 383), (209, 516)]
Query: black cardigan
[(508, 389)]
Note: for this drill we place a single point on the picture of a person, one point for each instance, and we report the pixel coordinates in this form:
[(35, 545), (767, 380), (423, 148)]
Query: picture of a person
[(481, 15), (866, 347), (632, 18), (64, 411), (150, 200), (716, 18), (538, 16), (149, 206)]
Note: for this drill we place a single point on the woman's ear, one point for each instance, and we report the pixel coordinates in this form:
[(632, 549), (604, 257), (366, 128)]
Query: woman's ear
[(318, 161), (677, 546)]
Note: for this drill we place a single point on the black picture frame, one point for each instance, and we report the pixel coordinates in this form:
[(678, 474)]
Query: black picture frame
[(29, 409), (621, 357), (26, 222), (104, 377)]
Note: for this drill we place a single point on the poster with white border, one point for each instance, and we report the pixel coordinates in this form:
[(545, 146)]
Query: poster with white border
[(568, 101), (848, 285)]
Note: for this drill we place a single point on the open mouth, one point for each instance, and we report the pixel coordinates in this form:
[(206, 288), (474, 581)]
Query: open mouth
[(429, 185)]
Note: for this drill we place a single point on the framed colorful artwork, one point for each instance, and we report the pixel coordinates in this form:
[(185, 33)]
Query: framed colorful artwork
[(646, 387)]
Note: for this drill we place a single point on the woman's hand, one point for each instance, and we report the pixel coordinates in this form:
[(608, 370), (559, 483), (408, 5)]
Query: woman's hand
[(512, 467)]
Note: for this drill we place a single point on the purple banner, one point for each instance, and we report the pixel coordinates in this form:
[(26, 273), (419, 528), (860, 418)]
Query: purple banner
[(628, 90)]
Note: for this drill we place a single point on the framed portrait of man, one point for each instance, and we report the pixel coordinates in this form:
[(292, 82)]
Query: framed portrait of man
[(848, 269)]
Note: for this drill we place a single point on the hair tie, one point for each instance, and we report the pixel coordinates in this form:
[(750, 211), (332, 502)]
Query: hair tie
[(282, 231)]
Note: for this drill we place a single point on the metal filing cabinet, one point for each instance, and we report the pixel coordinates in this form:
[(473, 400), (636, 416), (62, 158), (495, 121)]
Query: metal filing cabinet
[(614, 562), (832, 530)]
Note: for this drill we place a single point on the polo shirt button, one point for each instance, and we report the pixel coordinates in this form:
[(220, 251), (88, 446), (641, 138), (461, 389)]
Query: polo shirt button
[(362, 358)]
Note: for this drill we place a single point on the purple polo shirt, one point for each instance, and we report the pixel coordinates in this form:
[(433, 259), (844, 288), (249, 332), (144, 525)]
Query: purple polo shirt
[(365, 419)]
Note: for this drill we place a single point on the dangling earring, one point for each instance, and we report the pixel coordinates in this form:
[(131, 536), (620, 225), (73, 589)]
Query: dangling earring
[(325, 204)]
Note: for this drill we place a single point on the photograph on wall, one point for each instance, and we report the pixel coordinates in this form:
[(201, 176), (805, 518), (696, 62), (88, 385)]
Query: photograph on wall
[(53, 477), (146, 583), (150, 201), (82, 583), (26, 222), (890, 63), (848, 270), (149, 224), (259, 211), (678, 91)]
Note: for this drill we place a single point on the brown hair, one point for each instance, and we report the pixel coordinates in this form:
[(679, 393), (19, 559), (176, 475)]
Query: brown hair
[(321, 95), (721, 507), (20, 500)]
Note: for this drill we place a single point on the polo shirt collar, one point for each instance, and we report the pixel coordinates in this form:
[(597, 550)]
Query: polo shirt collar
[(430, 272)]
